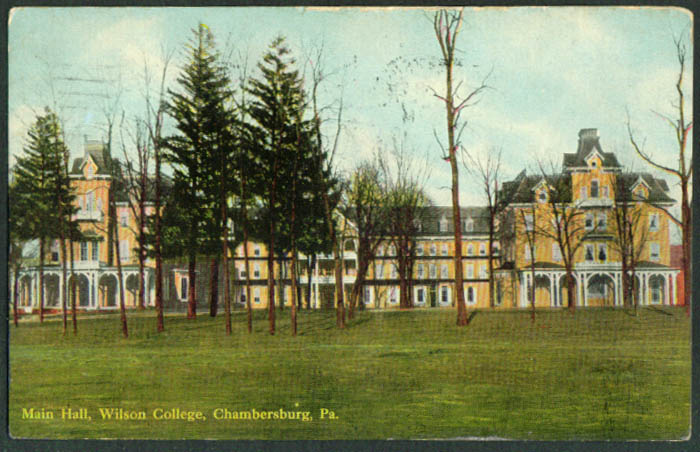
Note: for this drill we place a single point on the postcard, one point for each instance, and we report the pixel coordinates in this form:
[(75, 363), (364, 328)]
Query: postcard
[(269, 223)]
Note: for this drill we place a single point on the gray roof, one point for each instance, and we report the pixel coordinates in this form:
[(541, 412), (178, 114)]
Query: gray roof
[(521, 189), (431, 217), (588, 140), (99, 154), (658, 188)]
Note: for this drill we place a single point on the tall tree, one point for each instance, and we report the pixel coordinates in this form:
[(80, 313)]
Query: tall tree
[(446, 25), (37, 176), (368, 214), (196, 109), (487, 171), (276, 99), (683, 172)]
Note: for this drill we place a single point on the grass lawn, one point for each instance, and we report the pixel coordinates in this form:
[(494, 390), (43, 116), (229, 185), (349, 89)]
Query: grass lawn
[(599, 374)]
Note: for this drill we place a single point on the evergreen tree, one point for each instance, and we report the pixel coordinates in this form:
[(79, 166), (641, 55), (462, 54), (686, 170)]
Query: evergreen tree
[(197, 110), (42, 187), (275, 108)]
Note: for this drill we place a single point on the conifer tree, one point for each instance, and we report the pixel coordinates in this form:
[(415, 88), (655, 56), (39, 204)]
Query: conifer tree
[(197, 109), (276, 100), (42, 187)]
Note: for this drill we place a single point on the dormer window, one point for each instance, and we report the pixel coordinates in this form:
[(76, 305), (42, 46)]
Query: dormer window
[(469, 225), (417, 225), (542, 197), (442, 225), (594, 163), (90, 172)]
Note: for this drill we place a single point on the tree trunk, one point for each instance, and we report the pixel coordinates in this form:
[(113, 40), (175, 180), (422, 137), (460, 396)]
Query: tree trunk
[(294, 283), (142, 241), (120, 275), (532, 289), (41, 279), (570, 290), (248, 307), (159, 259), (191, 295), (339, 295), (310, 273), (15, 284), (64, 291), (281, 276), (686, 230), (214, 286), (271, 281), (72, 288), (224, 259)]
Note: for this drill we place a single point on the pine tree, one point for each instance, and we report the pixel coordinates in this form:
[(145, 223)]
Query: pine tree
[(277, 100), (197, 110), (40, 184)]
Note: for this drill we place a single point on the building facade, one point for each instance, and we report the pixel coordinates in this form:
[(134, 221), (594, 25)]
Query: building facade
[(590, 178)]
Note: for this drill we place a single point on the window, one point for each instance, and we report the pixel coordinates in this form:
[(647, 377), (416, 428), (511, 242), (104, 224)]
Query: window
[(420, 295), (529, 252), (584, 192), (123, 219), (393, 295), (589, 222), (471, 298), (184, 283), (602, 252), (654, 222), (433, 271), (469, 225), (392, 251), (393, 271), (380, 251), (542, 197), (241, 271), (90, 172), (470, 271), (444, 249), (256, 271), (556, 252), (256, 295), (242, 298), (368, 296), (95, 251), (606, 192), (256, 251), (470, 250), (442, 225), (495, 248), (444, 295), (124, 250), (529, 223), (419, 249), (602, 222), (83, 251), (417, 225), (378, 271), (589, 253), (54, 251), (483, 272), (482, 249), (594, 189), (654, 252), (499, 293), (421, 271), (443, 271), (433, 249)]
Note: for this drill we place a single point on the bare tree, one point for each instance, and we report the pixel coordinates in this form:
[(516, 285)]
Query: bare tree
[(487, 170), (405, 204), (527, 222), (366, 211), (446, 25), (683, 172)]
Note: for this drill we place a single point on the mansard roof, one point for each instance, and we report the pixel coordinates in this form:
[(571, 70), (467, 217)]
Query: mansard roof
[(658, 188), (431, 216), (522, 188), (588, 142), (97, 151)]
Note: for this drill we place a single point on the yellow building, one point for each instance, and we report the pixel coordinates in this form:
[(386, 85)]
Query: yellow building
[(95, 267), (585, 197)]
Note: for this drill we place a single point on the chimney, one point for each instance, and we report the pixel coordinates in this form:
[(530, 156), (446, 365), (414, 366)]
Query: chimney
[(588, 134)]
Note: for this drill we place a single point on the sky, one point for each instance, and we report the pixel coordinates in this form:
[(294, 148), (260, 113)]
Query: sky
[(550, 72)]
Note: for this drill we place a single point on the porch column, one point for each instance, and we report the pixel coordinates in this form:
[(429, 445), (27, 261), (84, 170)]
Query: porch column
[(667, 291), (316, 303), (552, 295)]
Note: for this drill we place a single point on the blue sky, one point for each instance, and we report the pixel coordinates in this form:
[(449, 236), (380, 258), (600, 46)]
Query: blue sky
[(553, 72)]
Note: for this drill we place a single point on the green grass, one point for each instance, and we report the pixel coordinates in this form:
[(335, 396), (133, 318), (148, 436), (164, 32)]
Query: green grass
[(599, 374)]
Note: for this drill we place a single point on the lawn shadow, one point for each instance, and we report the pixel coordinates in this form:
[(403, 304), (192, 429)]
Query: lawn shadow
[(471, 316), (660, 311)]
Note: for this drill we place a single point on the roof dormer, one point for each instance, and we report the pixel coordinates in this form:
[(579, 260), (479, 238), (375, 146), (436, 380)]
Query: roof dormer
[(640, 188), (89, 167), (594, 159)]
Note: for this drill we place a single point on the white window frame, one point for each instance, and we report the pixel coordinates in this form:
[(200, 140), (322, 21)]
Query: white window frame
[(654, 256), (482, 249), (556, 252), (419, 249), (95, 251), (469, 225), (444, 249), (466, 295), (470, 271), (420, 271), (256, 271), (602, 222), (444, 272), (433, 249), (420, 293), (124, 250), (256, 295), (483, 272), (256, 251), (654, 219), (597, 186), (589, 222), (586, 249), (379, 270), (470, 250), (444, 290), (83, 251), (604, 248), (432, 271)]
